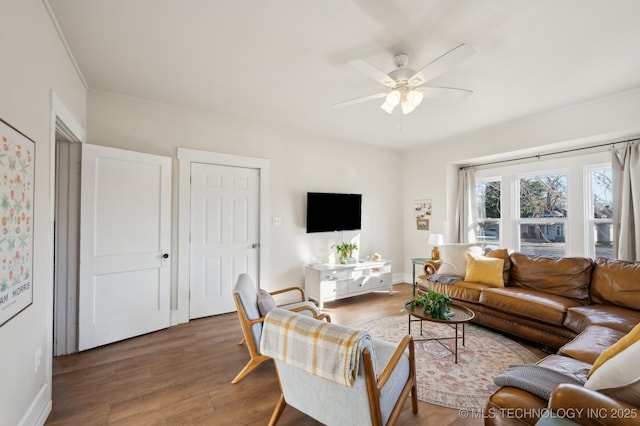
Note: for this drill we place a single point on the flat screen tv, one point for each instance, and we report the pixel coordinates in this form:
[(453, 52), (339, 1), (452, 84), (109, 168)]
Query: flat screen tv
[(328, 212)]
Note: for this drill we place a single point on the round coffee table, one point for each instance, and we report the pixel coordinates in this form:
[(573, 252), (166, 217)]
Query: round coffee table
[(460, 316)]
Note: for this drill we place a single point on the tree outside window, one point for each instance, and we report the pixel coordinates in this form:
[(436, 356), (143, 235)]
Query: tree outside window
[(543, 214)]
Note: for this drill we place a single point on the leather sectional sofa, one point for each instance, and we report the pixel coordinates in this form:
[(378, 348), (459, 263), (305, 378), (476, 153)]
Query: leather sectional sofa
[(573, 305)]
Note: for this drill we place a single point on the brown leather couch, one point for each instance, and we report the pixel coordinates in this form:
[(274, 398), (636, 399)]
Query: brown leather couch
[(574, 305)]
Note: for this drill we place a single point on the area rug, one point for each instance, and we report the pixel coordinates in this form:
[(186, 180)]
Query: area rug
[(467, 384)]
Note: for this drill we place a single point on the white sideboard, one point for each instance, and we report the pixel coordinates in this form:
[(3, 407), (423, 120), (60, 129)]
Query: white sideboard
[(326, 282)]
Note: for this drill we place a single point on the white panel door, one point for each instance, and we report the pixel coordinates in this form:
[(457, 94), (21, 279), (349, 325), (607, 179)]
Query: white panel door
[(125, 230), (224, 235)]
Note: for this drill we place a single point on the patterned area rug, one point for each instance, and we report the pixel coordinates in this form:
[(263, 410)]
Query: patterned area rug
[(467, 384)]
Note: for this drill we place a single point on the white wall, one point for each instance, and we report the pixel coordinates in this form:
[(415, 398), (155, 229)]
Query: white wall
[(33, 63), (300, 162), (430, 171)]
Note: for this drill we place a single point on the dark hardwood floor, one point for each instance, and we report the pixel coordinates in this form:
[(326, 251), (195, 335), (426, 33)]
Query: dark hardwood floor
[(181, 375)]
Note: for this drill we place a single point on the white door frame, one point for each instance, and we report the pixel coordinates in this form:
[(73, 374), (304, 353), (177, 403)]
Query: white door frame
[(186, 157), (63, 121)]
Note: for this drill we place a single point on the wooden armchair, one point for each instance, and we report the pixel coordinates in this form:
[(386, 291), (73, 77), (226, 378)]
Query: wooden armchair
[(245, 297), (376, 387)]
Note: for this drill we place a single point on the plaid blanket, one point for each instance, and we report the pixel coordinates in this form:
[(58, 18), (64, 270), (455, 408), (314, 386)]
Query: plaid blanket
[(327, 350)]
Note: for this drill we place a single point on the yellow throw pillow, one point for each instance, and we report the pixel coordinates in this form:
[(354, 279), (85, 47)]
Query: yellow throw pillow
[(627, 340), (484, 270)]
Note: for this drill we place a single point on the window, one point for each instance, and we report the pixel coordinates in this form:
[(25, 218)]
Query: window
[(543, 213), (559, 207), (601, 238), (488, 201)]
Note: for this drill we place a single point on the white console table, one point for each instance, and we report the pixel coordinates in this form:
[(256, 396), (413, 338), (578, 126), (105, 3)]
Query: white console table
[(326, 282)]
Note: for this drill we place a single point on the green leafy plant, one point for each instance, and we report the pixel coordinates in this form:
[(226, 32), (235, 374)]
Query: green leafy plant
[(344, 250), (434, 303)]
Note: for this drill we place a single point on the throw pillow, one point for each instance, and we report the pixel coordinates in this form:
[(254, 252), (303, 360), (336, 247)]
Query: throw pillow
[(266, 302), (619, 377), (613, 350), (502, 254), (453, 258), (485, 270)]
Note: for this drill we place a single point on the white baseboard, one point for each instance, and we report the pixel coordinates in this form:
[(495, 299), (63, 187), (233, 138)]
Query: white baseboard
[(39, 409), (401, 277)]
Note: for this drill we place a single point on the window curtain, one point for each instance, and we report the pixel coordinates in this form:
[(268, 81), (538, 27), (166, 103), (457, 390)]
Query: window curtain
[(625, 166), (465, 220)]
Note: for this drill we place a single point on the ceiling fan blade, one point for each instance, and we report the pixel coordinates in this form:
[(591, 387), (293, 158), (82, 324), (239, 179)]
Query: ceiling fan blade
[(373, 72), (448, 93), (442, 64), (358, 100)]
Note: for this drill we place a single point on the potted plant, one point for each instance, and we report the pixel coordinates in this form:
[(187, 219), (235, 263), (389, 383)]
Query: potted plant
[(437, 305), (344, 250)]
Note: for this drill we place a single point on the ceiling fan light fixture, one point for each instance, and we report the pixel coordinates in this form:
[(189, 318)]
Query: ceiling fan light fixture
[(407, 107), (387, 107), (415, 97), (393, 98)]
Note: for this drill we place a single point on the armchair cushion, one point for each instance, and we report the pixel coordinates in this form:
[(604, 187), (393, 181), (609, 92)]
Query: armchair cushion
[(392, 389), (266, 302)]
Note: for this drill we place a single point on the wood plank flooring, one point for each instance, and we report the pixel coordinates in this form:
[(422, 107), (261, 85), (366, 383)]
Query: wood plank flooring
[(181, 376)]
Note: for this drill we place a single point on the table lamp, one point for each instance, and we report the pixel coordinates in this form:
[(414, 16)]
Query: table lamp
[(435, 240)]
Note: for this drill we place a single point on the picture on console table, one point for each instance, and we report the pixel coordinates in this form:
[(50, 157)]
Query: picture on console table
[(17, 155)]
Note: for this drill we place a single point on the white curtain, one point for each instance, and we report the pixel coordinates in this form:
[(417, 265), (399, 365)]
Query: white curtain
[(465, 221), (625, 166)]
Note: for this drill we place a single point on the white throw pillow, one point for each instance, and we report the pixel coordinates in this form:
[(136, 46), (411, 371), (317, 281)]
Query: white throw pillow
[(453, 258), (619, 377), (266, 303)]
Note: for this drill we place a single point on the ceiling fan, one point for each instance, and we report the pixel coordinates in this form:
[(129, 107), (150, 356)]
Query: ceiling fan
[(405, 86)]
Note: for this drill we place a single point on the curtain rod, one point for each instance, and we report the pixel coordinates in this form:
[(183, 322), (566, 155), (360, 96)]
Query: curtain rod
[(538, 156)]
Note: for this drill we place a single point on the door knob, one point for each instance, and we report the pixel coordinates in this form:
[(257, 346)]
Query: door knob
[(165, 256), (255, 245)]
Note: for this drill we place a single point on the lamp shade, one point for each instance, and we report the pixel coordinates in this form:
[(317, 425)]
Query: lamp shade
[(436, 239)]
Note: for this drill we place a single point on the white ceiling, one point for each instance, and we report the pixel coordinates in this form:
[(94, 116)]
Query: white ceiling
[(285, 62)]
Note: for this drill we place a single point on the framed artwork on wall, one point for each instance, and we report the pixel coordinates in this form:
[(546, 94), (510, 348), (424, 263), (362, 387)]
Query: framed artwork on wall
[(17, 172), (422, 214), (422, 224)]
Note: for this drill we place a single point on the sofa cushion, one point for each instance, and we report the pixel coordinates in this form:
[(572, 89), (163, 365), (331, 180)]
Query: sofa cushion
[(528, 303), (615, 282), (619, 377), (591, 343), (485, 270), (461, 290), (562, 276), (566, 365), (453, 258), (623, 343), (581, 317)]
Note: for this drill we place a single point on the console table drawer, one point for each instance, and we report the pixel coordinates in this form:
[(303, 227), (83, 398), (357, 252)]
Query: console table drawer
[(335, 275), (359, 284)]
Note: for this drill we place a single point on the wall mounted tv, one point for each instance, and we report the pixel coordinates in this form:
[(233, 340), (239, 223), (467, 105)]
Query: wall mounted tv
[(328, 212)]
